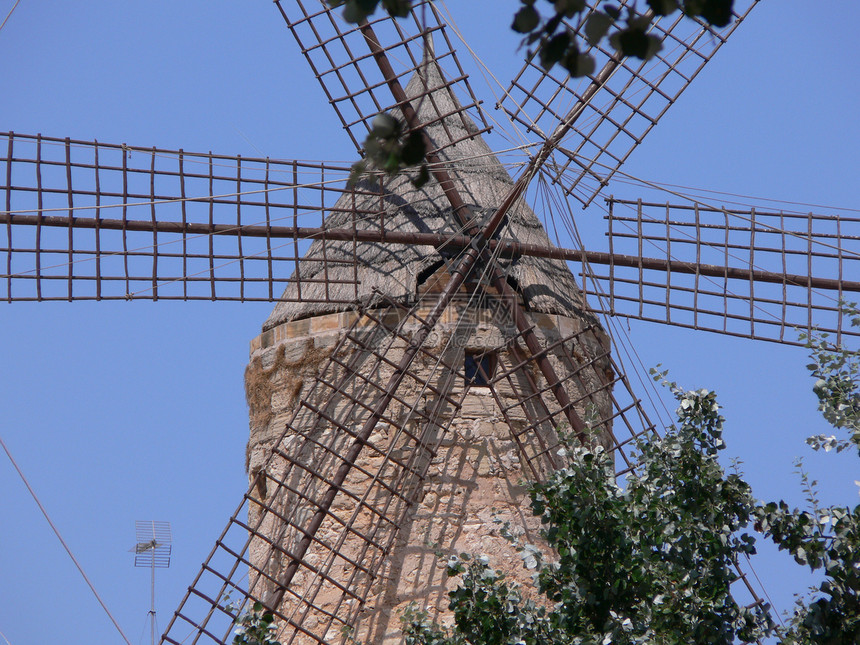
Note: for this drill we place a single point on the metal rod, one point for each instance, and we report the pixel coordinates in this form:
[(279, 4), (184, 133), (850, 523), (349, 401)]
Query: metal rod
[(152, 603), (503, 248)]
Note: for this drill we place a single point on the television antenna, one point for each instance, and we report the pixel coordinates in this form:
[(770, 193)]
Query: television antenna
[(153, 547)]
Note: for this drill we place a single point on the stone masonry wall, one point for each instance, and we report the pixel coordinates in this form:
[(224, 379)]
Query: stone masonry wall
[(474, 485)]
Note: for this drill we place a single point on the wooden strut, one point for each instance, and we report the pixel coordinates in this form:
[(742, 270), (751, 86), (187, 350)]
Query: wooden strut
[(273, 599), (499, 248)]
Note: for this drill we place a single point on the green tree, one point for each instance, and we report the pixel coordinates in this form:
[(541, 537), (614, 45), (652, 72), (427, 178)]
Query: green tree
[(826, 539), (652, 562), (254, 626)]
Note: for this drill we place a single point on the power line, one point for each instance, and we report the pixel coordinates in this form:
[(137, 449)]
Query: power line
[(3, 24), (62, 541)]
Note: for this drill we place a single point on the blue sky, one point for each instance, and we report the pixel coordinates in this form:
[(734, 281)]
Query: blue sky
[(126, 411)]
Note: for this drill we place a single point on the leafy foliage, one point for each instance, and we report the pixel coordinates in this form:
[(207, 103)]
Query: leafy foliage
[(256, 627), (391, 148), (553, 39), (826, 539), (837, 371), (649, 563)]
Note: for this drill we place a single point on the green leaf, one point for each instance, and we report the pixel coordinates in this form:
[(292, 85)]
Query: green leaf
[(635, 42), (718, 12), (693, 7), (392, 164), (569, 8), (384, 125), (663, 7), (423, 176), (526, 20), (353, 13), (355, 173), (554, 49), (613, 11), (414, 149), (397, 8), (576, 63), (597, 27)]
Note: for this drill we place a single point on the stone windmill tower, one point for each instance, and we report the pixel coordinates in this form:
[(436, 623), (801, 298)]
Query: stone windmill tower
[(458, 441)]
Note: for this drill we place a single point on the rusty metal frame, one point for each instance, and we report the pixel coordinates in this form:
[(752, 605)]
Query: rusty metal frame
[(366, 342), (324, 479), (591, 376), (346, 378), (352, 83), (629, 103), (749, 273), (79, 222)]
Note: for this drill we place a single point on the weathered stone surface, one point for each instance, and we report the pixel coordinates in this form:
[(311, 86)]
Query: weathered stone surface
[(471, 487)]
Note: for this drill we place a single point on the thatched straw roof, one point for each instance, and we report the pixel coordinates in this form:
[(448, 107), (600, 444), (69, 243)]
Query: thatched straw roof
[(546, 285)]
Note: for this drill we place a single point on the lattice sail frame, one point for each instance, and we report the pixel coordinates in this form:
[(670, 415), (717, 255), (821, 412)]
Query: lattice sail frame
[(631, 96), (86, 220), (751, 273), (345, 60), (94, 221), (356, 372)]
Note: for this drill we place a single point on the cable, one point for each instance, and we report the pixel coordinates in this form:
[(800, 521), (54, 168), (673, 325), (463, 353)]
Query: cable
[(63, 542), (3, 24), (748, 197)]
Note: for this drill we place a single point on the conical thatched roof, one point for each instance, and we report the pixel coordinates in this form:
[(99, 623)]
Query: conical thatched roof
[(546, 285)]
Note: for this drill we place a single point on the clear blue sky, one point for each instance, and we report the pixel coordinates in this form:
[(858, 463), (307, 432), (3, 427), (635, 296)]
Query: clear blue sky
[(127, 411)]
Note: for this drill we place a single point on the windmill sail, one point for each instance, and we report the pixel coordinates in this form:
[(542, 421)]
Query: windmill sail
[(379, 392), (349, 71), (85, 220), (755, 273), (616, 107)]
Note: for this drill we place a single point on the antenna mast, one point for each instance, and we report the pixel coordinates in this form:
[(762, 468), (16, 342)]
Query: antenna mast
[(154, 544)]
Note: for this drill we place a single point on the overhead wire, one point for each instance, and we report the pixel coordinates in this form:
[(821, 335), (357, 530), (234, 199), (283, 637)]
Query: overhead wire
[(514, 131), (629, 348), (400, 430), (749, 199), (6, 19), (249, 192), (62, 541), (621, 339), (459, 163), (739, 216)]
